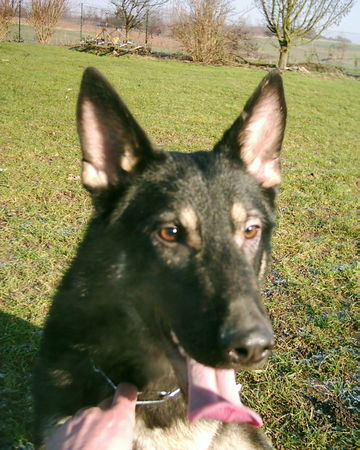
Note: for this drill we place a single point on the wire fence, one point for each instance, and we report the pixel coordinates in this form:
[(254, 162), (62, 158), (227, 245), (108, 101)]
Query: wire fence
[(78, 21), (84, 21)]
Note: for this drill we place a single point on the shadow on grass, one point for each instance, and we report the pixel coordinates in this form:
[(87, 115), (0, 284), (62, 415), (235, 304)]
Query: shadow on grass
[(19, 342)]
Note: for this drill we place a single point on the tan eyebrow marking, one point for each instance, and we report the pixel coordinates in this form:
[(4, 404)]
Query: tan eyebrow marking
[(238, 213), (188, 218), (189, 221)]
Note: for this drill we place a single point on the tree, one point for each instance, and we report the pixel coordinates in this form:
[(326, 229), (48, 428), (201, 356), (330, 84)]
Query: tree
[(133, 13), (299, 21), (7, 12), (202, 30), (44, 15)]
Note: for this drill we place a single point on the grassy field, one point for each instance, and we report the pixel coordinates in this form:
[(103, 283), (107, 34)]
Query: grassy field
[(345, 55), (307, 393)]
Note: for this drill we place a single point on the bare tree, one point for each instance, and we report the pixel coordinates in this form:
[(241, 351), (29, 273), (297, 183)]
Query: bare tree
[(44, 15), (201, 29), (243, 42), (7, 12), (133, 13), (299, 21)]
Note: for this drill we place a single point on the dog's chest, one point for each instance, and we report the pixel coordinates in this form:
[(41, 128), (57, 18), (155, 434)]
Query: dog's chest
[(204, 435), (180, 436)]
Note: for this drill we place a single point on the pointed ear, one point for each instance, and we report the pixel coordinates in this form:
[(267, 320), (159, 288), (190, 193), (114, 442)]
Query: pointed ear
[(112, 142), (256, 136)]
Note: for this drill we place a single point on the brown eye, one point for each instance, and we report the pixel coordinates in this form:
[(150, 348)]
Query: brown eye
[(251, 231), (169, 234)]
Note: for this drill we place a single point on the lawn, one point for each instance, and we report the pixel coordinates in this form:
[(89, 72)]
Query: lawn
[(307, 393), (330, 53)]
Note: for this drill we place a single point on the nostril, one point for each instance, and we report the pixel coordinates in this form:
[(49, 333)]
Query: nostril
[(248, 354), (250, 349), (242, 352), (238, 355)]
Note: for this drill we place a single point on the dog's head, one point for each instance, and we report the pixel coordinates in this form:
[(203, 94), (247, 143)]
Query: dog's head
[(195, 227)]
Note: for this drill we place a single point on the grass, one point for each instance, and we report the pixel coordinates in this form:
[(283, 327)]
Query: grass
[(328, 53), (307, 393)]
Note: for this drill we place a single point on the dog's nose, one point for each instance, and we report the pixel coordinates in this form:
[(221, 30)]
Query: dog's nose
[(248, 348)]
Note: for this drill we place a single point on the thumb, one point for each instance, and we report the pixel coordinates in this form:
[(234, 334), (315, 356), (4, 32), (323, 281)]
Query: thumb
[(125, 397)]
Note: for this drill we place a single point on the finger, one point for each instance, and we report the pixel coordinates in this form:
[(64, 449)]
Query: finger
[(125, 396)]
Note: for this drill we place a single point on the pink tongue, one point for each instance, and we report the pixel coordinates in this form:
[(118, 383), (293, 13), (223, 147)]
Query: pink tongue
[(213, 395)]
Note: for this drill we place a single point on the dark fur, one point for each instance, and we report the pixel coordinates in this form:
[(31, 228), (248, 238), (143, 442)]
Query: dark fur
[(127, 287)]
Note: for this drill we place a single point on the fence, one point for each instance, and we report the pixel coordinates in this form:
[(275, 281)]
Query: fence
[(78, 21), (83, 20)]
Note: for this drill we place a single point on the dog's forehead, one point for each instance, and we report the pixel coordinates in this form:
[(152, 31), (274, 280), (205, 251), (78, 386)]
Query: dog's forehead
[(203, 185), (195, 190)]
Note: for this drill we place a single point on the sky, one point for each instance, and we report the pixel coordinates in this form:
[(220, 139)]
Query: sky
[(348, 28)]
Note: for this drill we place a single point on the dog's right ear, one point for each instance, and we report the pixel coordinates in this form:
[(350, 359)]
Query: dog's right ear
[(112, 142)]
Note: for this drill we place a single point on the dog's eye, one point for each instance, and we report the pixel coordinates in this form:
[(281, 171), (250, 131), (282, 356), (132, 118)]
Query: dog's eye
[(251, 231), (169, 234)]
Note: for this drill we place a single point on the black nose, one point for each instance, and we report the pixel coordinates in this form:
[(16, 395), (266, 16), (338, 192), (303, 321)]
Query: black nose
[(248, 348)]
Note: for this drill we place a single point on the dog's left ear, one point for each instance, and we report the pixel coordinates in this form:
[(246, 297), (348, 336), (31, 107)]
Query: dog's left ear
[(256, 136), (113, 143)]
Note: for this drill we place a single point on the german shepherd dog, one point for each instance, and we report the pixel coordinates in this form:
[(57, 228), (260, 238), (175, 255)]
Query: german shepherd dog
[(164, 290)]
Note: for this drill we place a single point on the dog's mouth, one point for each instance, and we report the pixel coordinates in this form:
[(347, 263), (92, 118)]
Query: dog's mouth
[(211, 393)]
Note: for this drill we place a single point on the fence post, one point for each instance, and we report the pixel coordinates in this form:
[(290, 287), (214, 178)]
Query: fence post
[(19, 34), (146, 27), (81, 20)]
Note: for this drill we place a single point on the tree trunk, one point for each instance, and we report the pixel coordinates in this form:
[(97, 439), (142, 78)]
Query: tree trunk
[(283, 58)]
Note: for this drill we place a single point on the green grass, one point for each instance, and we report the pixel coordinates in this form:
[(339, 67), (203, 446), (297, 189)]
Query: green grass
[(306, 394), (326, 52)]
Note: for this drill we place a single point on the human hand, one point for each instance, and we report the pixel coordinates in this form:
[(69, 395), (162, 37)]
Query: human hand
[(108, 426)]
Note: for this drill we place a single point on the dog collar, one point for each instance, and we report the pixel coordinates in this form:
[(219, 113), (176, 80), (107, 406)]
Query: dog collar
[(162, 396)]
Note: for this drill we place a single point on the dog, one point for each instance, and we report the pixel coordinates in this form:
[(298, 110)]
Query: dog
[(164, 290)]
